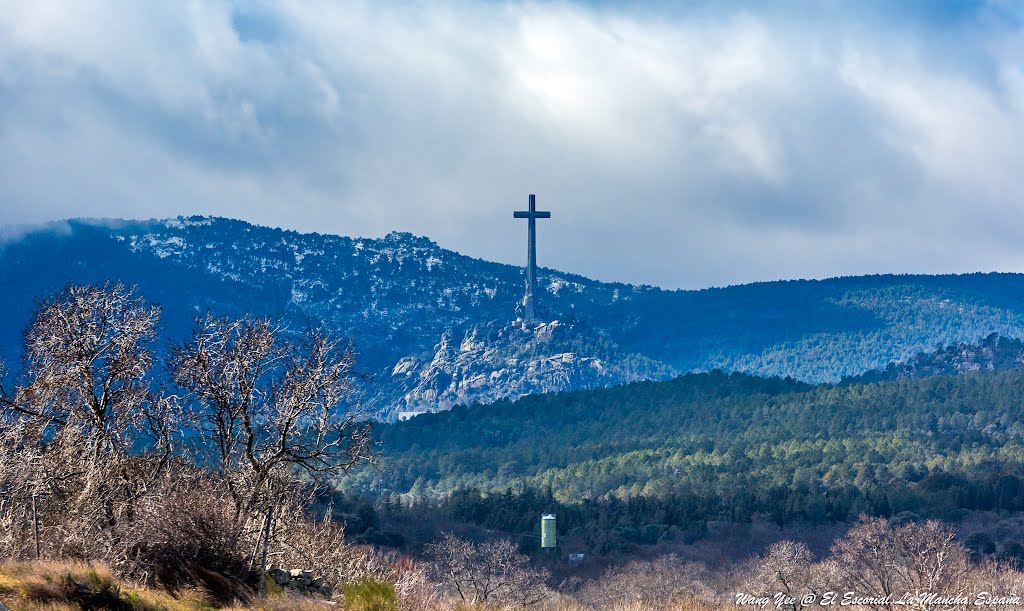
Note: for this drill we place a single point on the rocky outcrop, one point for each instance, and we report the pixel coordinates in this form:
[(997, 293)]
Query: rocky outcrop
[(300, 581), (506, 361), (994, 353)]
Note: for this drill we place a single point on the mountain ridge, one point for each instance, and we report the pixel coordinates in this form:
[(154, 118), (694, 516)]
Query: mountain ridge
[(411, 306)]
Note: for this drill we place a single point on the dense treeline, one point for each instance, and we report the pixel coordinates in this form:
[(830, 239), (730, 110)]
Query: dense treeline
[(615, 527), (723, 447)]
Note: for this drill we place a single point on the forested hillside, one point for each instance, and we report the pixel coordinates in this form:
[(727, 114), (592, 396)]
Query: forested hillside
[(722, 446)]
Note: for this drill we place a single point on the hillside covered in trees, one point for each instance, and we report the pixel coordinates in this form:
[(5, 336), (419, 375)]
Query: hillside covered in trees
[(717, 446)]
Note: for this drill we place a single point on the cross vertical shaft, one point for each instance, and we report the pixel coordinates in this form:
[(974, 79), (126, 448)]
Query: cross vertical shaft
[(531, 260), (531, 216)]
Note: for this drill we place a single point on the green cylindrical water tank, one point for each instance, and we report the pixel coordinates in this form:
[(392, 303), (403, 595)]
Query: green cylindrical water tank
[(547, 531)]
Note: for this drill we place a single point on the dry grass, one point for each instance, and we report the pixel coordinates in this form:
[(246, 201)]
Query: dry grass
[(71, 586), (288, 603), (57, 586), (65, 585), (561, 603)]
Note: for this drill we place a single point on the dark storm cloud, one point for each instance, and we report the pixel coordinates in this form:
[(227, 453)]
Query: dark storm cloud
[(676, 144)]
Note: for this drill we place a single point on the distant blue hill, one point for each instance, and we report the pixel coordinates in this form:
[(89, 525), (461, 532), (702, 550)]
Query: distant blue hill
[(437, 328)]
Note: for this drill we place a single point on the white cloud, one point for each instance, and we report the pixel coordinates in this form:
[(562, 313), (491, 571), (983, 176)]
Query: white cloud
[(680, 148)]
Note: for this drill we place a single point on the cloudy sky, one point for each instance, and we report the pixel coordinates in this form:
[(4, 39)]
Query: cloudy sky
[(711, 144)]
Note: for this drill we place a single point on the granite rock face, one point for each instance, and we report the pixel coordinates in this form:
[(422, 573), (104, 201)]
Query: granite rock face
[(506, 361)]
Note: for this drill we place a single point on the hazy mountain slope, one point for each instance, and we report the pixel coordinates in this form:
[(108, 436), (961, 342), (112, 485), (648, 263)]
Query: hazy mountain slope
[(819, 330), (411, 306)]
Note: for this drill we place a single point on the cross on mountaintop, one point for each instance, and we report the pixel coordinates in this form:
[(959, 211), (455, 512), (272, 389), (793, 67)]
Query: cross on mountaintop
[(529, 301)]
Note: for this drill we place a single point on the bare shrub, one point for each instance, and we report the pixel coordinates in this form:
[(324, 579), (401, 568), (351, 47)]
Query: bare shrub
[(788, 567), (996, 578), (654, 584), (19, 463), (319, 546), (413, 585), (490, 573), (181, 531), (83, 434)]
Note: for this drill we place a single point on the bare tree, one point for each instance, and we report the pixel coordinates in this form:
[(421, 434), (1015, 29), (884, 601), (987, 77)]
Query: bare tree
[(272, 403), (786, 568), (881, 559), (491, 573), (661, 583), (867, 557), (931, 561), (87, 352)]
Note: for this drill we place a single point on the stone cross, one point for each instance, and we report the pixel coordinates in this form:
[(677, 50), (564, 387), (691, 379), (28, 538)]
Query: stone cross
[(531, 216)]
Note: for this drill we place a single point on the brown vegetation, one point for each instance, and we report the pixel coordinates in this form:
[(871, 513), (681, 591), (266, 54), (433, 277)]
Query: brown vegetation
[(93, 464), (490, 573)]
